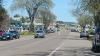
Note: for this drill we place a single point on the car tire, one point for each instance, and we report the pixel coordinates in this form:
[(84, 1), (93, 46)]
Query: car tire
[(0, 39), (43, 37), (11, 38), (6, 39), (94, 49), (18, 37), (35, 37), (80, 36), (87, 37)]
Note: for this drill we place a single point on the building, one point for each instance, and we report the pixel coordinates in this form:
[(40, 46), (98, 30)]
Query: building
[(16, 24)]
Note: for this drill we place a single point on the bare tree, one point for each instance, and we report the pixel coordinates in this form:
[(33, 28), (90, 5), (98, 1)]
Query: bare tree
[(32, 7)]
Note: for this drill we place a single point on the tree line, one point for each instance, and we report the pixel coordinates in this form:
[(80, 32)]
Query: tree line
[(4, 18), (88, 12), (35, 9)]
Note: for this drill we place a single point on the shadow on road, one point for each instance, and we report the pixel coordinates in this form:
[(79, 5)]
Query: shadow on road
[(34, 54), (71, 51)]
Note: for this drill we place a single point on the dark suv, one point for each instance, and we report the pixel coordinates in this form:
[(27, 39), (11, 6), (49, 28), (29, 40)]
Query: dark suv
[(7, 36), (96, 41), (16, 34)]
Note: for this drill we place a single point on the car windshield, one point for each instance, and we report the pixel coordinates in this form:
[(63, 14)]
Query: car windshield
[(39, 31), (6, 34), (13, 31)]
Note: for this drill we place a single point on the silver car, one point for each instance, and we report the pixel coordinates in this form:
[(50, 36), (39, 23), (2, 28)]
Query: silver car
[(84, 34), (39, 34)]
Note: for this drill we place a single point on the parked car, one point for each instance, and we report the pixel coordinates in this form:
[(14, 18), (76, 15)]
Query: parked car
[(39, 33), (96, 41), (51, 30), (1, 32), (84, 34), (7, 36), (74, 30), (16, 34)]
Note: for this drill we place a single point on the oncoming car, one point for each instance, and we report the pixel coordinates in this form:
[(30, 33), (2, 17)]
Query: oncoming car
[(39, 34), (84, 34)]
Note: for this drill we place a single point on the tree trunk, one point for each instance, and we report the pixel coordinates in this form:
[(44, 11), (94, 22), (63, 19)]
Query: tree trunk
[(32, 27)]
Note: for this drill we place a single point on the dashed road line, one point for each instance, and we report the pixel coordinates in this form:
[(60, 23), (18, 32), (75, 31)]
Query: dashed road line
[(54, 51)]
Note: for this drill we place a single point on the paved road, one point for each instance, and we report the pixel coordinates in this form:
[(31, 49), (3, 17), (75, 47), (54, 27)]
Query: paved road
[(55, 44)]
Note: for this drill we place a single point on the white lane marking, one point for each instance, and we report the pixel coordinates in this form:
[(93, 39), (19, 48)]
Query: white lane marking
[(54, 51)]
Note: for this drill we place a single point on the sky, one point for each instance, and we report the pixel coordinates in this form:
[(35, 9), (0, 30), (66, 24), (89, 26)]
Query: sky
[(62, 9)]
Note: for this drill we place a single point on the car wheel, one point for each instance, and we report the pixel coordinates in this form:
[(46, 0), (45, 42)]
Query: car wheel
[(87, 37), (80, 36), (6, 39), (43, 37), (0, 39), (11, 38), (95, 49), (35, 37), (18, 37)]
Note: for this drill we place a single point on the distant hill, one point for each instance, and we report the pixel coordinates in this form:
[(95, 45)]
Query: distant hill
[(71, 24), (66, 22)]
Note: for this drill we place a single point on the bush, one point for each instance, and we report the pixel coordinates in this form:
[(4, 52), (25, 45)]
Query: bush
[(91, 38), (91, 31), (26, 33)]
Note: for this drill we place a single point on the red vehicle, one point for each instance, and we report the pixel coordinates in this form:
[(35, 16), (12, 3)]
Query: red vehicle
[(1, 32)]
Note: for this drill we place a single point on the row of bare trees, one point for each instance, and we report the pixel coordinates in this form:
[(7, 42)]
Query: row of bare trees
[(4, 18), (35, 8), (90, 9)]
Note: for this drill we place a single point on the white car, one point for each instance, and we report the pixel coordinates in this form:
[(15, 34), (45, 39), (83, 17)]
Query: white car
[(39, 34), (84, 34)]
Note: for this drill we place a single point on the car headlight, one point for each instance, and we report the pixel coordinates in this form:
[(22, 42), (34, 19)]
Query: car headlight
[(8, 36)]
